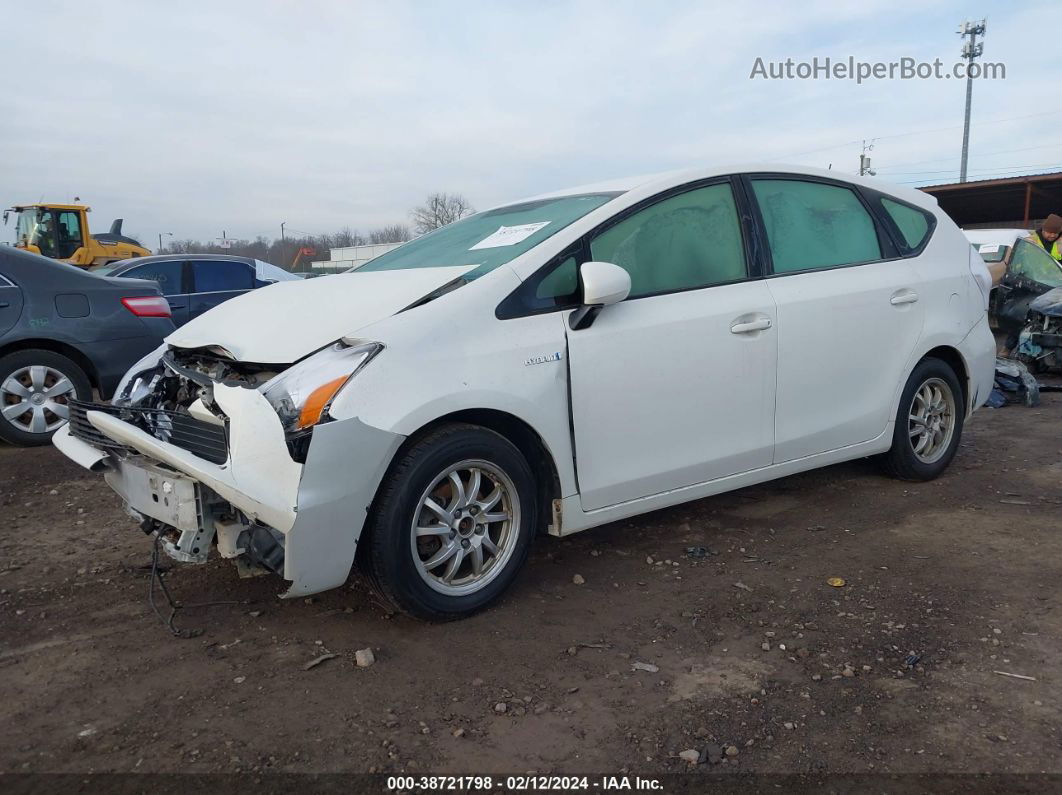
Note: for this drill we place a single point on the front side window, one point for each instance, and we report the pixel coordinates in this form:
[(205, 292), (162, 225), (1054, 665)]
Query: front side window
[(1035, 264), (489, 239), (683, 242), (813, 225), (912, 222), (167, 273), (218, 276), (560, 283)]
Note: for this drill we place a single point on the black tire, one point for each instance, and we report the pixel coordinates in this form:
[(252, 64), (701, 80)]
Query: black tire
[(901, 461), (15, 430), (386, 550)]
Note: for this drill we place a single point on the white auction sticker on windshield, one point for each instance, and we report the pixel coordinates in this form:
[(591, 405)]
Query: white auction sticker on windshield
[(988, 248), (508, 235)]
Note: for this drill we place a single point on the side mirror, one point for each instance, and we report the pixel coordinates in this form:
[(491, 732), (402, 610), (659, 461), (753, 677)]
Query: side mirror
[(603, 284)]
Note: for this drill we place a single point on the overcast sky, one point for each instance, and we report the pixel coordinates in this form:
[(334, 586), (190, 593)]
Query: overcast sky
[(198, 117)]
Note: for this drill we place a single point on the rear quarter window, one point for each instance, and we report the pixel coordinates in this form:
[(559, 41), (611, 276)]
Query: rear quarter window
[(913, 223)]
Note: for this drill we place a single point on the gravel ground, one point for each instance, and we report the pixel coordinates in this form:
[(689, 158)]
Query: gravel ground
[(615, 651)]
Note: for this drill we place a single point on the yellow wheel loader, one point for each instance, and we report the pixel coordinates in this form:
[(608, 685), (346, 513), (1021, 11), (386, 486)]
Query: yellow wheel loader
[(61, 231)]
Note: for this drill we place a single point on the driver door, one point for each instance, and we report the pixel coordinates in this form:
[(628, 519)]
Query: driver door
[(675, 385)]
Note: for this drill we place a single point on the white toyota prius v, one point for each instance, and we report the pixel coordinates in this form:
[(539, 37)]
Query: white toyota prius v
[(547, 366)]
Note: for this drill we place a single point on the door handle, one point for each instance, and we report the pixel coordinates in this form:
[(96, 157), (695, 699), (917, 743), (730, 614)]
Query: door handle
[(4, 304), (753, 325), (903, 297)]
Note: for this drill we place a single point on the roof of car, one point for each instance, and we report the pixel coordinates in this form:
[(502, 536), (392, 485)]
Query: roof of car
[(263, 270), (1004, 237), (650, 183), (165, 257), (38, 269)]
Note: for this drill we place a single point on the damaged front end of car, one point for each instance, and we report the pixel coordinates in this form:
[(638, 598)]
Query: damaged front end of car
[(209, 452), (1040, 341)]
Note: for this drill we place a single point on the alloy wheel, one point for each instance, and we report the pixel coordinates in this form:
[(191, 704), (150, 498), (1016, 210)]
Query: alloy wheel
[(931, 420), (35, 398), (465, 528)]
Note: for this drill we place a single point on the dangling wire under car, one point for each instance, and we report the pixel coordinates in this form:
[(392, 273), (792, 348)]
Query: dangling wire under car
[(150, 526)]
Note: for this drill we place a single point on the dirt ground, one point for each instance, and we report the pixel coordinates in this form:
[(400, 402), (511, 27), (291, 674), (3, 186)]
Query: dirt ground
[(948, 584)]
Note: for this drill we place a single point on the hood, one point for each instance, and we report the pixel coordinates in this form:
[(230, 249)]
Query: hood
[(283, 322), (1050, 303)]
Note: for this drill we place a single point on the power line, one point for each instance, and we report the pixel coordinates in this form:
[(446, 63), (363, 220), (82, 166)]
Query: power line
[(979, 154), (985, 169), (916, 132), (1006, 173)]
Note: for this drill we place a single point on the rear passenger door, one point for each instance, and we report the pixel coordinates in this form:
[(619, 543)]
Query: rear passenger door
[(172, 279), (849, 313), (216, 281)]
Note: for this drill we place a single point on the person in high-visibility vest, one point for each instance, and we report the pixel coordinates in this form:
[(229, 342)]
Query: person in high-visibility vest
[(1046, 237)]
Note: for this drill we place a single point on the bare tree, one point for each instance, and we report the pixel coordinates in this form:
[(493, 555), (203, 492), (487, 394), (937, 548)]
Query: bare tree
[(392, 233), (438, 210), (344, 238), (285, 252)]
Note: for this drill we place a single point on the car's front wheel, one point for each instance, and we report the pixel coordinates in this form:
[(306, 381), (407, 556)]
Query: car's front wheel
[(452, 523), (35, 389), (929, 423)]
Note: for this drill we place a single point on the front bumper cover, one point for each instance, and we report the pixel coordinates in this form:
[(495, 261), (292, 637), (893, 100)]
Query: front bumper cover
[(318, 507)]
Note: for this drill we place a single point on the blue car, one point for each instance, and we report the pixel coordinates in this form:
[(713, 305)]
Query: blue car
[(195, 283)]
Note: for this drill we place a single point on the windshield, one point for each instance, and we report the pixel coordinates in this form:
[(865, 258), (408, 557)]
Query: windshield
[(29, 221), (36, 227), (489, 239), (992, 252)]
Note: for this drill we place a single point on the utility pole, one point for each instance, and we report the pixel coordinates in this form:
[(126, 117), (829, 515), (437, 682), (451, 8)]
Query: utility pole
[(864, 160), (970, 49), (282, 224), (160, 239)]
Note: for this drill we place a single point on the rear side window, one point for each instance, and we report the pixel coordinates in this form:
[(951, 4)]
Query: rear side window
[(813, 225), (913, 223), (166, 273), (216, 276), (680, 243)]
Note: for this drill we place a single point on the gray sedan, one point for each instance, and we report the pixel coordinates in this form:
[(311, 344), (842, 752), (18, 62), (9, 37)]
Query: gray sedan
[(64, 332)]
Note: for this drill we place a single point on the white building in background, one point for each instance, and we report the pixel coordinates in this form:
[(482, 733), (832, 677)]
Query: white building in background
[(341, 259)]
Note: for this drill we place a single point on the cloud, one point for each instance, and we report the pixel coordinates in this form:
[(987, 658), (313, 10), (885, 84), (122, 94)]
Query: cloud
[(201, 117)]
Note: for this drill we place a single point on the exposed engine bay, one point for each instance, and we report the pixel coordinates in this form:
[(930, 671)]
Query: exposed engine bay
[(1040, 341), (183, 376), (173, 400)]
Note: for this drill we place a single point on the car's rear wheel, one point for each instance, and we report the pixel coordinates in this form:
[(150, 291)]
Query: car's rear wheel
[(929, 423), (35, 389), (452, 523)]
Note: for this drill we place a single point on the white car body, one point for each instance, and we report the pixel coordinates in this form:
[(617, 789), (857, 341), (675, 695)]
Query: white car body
[(663, 399)]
